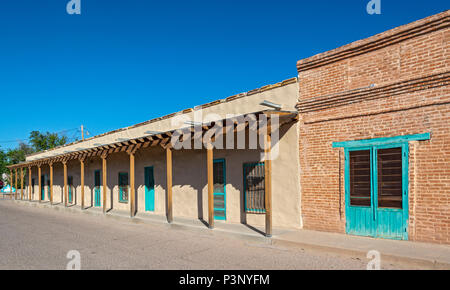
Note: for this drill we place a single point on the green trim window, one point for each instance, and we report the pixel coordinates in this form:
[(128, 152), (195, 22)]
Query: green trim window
[(254, 187), (123, 187)]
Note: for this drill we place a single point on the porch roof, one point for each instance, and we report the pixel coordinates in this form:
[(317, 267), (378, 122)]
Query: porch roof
[(154, 139)]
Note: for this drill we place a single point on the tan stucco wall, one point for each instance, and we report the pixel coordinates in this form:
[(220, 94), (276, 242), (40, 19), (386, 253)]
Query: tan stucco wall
[(190, 194)]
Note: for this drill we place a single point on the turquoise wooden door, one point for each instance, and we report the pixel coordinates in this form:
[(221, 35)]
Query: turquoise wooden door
[(42, 187), (220, 197), (377, 191), (149, 189), (97, 197)]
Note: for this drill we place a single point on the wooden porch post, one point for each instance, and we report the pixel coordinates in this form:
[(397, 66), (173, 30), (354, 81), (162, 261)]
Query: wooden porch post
[(11, 179), (169, 184), (104, 168), (210, 164), (21, 183), (16, 194), (51, 183), (40, 183), (82, 182), (132, 185), (268, 184), (65, 183), (29, 183)]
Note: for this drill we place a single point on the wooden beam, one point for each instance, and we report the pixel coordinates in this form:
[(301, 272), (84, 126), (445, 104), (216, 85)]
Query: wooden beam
[(65, 183), (82, 182), (210, 164), (169, 184), (40, 183), (11, 181), (132, 185), (21, 183), (268, 184), (16, 186), (29, 183), (51, 183), (104, 168)]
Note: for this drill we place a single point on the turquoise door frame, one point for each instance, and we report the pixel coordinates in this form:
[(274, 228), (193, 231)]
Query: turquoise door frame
[(375, 221), (97, 184), (220, 194), (149, 189)]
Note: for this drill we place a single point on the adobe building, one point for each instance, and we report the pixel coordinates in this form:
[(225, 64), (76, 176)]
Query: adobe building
[(358, 144), (140, 169)]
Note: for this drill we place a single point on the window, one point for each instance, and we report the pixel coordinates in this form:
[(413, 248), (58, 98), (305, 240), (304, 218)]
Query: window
[(389, 177), (254, 187), (360, 191), (123, 187), (376, 178)]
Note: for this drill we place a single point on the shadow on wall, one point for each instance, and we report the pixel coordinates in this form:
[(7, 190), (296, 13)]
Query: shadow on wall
[(234, 178)]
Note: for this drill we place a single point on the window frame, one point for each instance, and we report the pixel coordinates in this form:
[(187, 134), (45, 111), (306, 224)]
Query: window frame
[(252, 210), (121, 199)]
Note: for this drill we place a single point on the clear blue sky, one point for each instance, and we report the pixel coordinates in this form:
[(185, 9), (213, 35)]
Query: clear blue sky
[(124, 62)]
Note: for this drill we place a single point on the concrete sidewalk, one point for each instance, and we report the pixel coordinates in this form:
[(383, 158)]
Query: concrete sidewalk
[(423, 255)]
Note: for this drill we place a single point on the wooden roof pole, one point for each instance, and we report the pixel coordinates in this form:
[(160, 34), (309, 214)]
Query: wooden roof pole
[(11, 181), (210, 164), (16, 185), (132, 185), (21, 183), (82, 181), (29, 183), (169, 183), (65, 182), (40, 183), (51, 182), (105, 187), (268, 183)]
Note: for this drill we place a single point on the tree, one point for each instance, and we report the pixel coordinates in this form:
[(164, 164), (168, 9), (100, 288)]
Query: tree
[(41, 142), (38, 141), (3, 162)]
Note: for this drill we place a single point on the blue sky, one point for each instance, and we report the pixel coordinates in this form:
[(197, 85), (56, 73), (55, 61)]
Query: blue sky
[(124, 62)]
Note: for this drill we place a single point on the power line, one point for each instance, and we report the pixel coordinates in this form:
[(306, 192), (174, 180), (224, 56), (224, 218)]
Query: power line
[(27, 140)]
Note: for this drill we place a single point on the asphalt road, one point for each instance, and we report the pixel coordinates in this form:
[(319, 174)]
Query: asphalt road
[(38, 238)]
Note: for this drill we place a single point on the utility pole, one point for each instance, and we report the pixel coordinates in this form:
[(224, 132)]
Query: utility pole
[(82, 132)]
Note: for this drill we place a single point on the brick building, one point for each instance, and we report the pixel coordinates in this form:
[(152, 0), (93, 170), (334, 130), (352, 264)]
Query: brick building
[(388, 97)]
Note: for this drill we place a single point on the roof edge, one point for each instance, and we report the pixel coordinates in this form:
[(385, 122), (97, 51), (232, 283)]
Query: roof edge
[(185, 111), (398, 34)]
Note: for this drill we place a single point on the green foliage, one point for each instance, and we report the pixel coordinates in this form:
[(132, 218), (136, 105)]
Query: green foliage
[(41, 142), (38, 142)]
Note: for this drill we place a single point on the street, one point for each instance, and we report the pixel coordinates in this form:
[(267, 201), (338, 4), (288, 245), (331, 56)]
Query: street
[(38, 238)]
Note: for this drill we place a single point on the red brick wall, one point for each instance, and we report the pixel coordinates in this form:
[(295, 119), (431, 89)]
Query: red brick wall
[(409, 68)]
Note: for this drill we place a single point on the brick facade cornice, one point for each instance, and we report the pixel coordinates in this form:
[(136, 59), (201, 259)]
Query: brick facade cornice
[(372, 93), (390, 37)]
